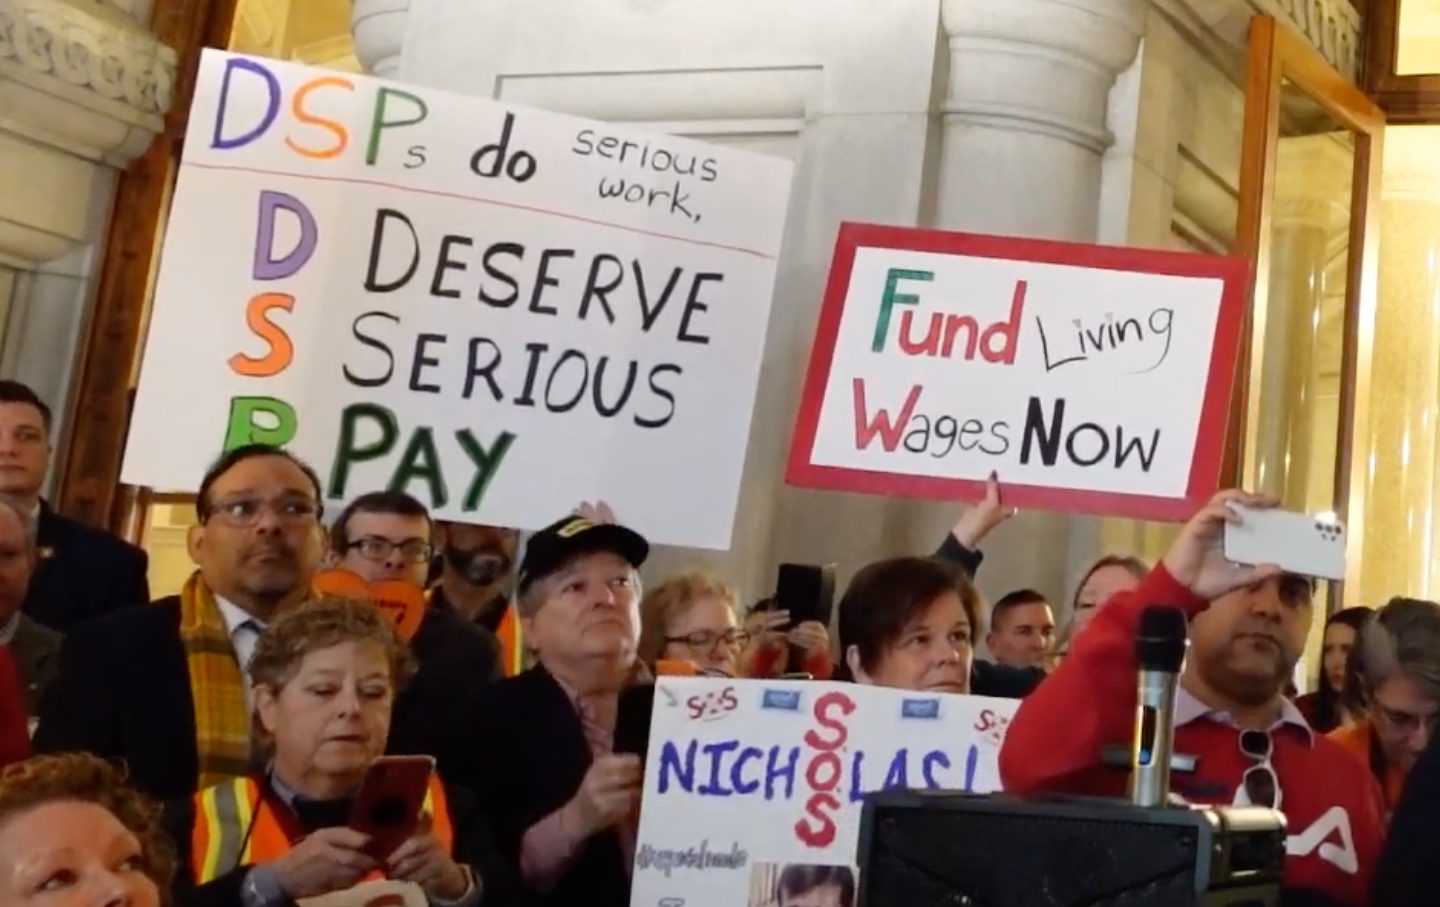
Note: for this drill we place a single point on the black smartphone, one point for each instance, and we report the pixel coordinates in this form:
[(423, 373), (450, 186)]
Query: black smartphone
[(632, 720), (807, 591)]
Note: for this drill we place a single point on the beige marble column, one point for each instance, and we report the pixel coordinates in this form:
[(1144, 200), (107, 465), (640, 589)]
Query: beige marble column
[(1291, 448), (1401, 496)]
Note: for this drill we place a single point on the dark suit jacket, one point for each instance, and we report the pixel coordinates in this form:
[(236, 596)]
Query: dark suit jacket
[(124, 693), (83, 573), (457, 659), (527, 758), (1406, 874), (37, 654)]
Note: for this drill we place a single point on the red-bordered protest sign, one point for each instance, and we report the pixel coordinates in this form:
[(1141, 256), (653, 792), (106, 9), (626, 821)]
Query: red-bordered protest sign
[(1091, 379)]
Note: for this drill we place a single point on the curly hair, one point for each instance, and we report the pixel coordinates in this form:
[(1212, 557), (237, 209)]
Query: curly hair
[(81, 777), (670, 599), (320, 624)]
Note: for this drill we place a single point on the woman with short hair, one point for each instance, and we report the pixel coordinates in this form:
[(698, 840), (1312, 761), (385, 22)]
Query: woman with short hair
[(74, 834), (910, 622), (1397, 668), (325, 677)]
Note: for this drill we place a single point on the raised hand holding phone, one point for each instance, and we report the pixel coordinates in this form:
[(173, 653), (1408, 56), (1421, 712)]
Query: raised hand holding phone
[(1196, 559), (1295, 542)]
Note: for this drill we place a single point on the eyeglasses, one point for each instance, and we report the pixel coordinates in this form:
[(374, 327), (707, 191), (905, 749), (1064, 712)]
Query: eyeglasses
[(1404, 723), (1260, 783), (243, 513), (707, 640), (375, 548)]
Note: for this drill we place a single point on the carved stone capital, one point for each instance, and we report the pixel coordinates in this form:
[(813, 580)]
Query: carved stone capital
[(1331, 26), (82, 86), (1043, 66), (82, 77)]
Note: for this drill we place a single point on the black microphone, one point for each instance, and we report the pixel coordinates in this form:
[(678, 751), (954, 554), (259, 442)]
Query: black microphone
[(1160, 649)]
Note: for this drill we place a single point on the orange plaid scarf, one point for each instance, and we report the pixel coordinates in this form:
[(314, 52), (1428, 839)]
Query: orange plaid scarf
[(217, 686)]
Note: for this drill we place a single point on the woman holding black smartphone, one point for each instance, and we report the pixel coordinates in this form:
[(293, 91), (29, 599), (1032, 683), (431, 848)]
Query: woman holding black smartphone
[(325, 677)]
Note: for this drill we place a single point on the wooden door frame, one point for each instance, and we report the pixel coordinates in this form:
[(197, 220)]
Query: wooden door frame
[(1406, 100), (1277, 54), (89, 465)]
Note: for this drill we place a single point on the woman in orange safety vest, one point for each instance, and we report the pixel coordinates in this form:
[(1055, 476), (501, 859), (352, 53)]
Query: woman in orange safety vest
[(324, 679)]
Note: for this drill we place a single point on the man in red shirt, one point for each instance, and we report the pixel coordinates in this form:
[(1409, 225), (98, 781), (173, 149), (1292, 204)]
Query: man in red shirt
[(1247, 630)]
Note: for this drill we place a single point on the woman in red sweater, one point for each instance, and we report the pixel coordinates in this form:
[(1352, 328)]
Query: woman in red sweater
[(1247, 630)]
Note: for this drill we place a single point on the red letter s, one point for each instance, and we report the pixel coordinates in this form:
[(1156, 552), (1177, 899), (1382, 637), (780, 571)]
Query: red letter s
[(822, 833), (846, 706)]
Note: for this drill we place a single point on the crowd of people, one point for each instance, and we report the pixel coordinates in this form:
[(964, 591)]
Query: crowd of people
[(207, 748)]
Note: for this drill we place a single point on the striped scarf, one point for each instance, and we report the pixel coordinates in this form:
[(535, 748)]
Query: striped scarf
[(217, 686)]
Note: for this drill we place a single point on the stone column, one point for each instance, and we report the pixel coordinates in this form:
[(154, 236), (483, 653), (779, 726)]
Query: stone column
[(1022, 140), (379, 30), (1399, 556), (84, 89), (1294, 438)]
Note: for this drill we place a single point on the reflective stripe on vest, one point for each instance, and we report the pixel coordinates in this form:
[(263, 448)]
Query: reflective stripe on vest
[(512, 646), (222, 821), (235, 826)]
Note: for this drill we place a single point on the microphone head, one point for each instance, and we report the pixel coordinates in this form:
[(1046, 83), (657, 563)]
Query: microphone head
[(676, 667), (1160, 645)]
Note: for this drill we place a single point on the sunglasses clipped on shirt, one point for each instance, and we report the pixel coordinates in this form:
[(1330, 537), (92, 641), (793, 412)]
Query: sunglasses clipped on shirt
[(1260, 783)]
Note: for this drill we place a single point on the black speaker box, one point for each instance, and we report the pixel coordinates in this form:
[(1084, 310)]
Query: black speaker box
[(928, 849)]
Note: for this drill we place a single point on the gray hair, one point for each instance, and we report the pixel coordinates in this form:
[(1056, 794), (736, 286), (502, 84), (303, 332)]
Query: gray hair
[(24, 514), (535, 595), (1403, 639)]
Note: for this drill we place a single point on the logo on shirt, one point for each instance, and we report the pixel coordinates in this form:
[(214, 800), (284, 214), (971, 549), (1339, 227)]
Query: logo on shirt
[(1317, 839)]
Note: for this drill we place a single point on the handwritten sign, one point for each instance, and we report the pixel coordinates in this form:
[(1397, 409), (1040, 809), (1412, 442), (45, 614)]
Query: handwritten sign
[(745, 777), (1090, 379), (500, 310)]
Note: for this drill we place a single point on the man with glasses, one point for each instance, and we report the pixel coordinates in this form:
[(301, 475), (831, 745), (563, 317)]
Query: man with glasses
[(1251, 745), (385, 535), (164, 687)]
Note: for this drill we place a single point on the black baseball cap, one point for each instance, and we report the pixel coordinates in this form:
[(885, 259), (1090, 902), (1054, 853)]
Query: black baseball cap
[(557, 544)]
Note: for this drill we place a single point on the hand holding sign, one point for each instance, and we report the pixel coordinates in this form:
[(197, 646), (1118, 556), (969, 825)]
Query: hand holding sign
[(979, 521), (1196, 559), (331, 859), (608, 795)]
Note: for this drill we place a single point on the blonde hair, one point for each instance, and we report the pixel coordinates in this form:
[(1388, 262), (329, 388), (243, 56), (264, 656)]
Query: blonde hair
[(671, 598), (320, 624)]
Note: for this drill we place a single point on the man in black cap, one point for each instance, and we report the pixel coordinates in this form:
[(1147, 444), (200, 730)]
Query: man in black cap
[(562, 802)]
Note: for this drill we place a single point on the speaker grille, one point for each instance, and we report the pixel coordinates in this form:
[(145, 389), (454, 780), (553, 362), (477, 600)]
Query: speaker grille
[(930, 858)]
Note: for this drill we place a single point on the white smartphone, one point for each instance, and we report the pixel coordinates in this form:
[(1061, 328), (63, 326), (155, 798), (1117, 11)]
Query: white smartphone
[(1295, 542)]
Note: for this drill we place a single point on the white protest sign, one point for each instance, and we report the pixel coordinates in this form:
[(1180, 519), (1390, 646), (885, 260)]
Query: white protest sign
[(745, 777), (503, 311), (1089, 378)]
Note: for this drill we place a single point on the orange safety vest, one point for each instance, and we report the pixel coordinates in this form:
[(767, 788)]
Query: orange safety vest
[(236, 825), (512, 644), (512, 649)]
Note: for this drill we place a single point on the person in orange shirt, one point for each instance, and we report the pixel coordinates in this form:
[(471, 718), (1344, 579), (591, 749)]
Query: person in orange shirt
[(1397, 665)]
